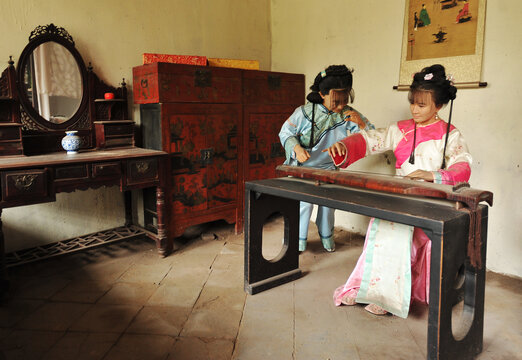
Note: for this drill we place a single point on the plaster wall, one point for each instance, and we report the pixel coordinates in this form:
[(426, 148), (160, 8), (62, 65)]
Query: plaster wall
[(309, 35), (113, 35)]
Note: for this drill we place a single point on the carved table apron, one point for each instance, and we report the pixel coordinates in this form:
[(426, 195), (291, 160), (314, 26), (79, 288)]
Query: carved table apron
[(452, 276), (27, 180)]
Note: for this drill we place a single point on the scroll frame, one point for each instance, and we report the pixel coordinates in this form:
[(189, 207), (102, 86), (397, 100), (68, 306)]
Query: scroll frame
[(466, 69)]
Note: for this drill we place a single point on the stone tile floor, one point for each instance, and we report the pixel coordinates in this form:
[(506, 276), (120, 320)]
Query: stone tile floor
[(123, 302)]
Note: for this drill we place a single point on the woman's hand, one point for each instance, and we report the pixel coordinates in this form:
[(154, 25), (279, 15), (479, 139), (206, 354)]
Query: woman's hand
[(337, 149), (353, 116), (301, 154), (421, 175)]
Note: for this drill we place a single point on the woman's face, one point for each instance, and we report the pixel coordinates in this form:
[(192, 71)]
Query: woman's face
[(423, 108), (336, 99)]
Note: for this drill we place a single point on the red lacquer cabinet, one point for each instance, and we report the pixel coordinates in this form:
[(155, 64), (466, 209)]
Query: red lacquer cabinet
[(220, 127)]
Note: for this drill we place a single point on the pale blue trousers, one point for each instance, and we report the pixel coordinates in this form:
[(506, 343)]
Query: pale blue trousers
[(324, 220)]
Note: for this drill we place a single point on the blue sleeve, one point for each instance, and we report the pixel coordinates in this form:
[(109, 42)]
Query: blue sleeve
[(289, 132)]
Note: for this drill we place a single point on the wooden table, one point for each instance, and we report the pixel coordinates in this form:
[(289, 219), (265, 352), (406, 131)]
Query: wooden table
[(452, 277), (27, 180)]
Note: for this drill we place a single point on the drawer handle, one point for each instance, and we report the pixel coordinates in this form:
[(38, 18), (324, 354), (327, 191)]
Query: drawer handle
[(24, 182), (206, 156), (142, 167)]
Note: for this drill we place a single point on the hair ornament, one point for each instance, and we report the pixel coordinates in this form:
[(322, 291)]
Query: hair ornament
[(323, 73), (428, 76), (450, 78)]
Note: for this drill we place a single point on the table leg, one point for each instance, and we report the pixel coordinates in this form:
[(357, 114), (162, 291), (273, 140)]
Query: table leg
[(260, 273), (456, 335), (163, 243), (128, 207), (4, 282)]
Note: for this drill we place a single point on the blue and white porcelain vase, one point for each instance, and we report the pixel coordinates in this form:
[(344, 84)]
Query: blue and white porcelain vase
[(71, 142)]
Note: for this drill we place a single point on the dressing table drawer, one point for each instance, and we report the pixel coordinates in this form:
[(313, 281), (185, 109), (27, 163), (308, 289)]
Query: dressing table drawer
[(10, 139), (11, 148), (142, 171), (104, 170), (26, 187), (71, 172), (10, 132), (116, 128), (114, 133)]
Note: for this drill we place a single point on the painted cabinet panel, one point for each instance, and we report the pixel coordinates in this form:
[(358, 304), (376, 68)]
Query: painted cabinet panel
[(204, 157), (262, 126)]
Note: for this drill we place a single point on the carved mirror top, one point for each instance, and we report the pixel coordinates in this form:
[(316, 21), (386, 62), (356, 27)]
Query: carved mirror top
[(52, 81)]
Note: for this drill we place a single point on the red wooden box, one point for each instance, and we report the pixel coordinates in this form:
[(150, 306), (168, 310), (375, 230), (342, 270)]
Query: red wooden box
[(149, 58), (164, 82), (265, 87), (234, 63)]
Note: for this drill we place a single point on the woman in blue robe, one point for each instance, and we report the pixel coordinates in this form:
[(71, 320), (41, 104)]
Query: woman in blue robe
[(331, 119)]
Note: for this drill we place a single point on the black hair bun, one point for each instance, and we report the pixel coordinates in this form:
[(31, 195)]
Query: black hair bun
[(314, 97), (452, 91), (333, 77), (338, 70), (437, 70), (434, 78)]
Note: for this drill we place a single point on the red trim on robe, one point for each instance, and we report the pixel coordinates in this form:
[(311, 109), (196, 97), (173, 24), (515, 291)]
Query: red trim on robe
[(356, 150), (458, 172)]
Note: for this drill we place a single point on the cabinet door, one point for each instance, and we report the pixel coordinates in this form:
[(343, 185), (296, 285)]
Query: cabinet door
[(263, 148), (222, 152), (188, 172), (204, 158)]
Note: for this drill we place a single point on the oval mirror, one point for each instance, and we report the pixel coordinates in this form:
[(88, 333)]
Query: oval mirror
[(52, 79), (52, 82)]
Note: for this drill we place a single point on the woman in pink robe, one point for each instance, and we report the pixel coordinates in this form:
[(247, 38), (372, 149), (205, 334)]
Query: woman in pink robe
[(426, 148)]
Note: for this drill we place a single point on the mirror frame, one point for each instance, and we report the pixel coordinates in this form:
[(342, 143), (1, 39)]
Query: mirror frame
[(40, 35)]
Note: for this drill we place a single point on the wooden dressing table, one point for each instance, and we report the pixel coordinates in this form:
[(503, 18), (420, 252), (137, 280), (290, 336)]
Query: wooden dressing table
[(35, 112)]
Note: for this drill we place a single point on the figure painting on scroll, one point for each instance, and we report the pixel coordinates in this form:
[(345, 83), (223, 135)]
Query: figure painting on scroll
[(441, 28)]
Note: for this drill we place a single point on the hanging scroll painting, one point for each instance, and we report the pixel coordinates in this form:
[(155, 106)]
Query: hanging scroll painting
[(447, 32)]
